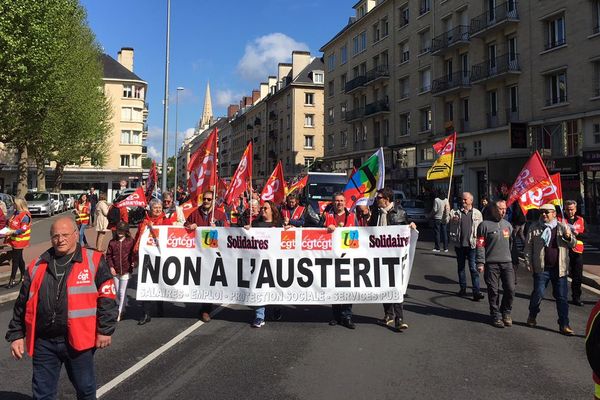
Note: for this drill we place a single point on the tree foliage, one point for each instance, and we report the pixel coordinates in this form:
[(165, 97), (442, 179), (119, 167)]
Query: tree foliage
[(51, 104)]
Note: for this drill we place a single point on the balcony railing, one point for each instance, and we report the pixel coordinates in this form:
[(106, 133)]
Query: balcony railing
[(493, 120), (459, 79), (352, 115), (377, 107), (490, 68), (460, 34), (555, 43), (504, 12), (355, 83), (381, 71), (553, 100)]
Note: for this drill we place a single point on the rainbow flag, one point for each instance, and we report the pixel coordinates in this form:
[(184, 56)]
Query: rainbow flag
[(366, 181)]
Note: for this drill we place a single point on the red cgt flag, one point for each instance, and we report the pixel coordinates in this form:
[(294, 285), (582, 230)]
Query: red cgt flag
[(543, 193), (135, 199), (275, 187), (203, 167), (242, 178), (188, 208), (533, 173)]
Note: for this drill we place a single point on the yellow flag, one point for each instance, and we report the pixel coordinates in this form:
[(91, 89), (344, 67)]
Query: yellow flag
[(443, 166)]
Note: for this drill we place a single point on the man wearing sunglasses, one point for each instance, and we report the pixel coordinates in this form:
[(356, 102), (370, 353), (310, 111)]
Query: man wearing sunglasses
[(203, 216), (547, 254)]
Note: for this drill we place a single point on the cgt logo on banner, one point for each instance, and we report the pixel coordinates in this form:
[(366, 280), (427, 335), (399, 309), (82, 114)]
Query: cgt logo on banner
[(350, 239), (288, 240), (250, 272), (316, 240), (178, 238), (153, 237), (210, 239)]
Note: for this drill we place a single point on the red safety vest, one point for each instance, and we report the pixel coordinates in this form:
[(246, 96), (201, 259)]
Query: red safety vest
[(348, 219), (16, 223), (579, 227), (296, 214), (82, 297), (83, 213)]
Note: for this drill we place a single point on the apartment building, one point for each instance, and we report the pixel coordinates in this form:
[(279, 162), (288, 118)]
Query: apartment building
[(509, 77), (126, 93), (284, 119)]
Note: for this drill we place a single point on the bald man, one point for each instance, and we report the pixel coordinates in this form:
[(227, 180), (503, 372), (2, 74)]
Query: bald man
[(65, 310)]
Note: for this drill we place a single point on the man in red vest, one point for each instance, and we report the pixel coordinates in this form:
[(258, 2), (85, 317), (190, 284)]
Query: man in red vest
[(292, 212), (577, 225), (65, 310)]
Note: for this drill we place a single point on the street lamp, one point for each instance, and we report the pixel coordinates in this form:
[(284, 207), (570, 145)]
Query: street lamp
[(179, 89), (166, 105)]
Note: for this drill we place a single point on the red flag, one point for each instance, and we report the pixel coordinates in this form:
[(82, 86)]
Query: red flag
[(275, 187), (242, 178), (543, 193), (188, 207), (135, 199), (151, 181), (299, 185), (533, 173), (203, 167)]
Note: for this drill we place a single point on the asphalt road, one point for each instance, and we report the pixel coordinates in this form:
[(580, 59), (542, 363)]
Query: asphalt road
[(450, 351)]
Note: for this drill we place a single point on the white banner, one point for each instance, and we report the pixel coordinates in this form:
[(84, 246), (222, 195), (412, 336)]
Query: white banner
[(275, 266)]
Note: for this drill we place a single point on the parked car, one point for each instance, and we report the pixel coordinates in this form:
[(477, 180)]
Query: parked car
[(65, 198), (40, 203), (58, 201), (10, 203), (70, 201), (415, 211)]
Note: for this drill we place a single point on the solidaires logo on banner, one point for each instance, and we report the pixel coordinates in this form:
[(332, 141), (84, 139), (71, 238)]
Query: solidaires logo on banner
[(275, 266)]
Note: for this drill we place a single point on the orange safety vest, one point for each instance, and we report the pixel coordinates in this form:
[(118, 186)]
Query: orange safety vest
[(82, 297), (16, 223), (296, 214), (348, 219), (83, 213), (579, 228)]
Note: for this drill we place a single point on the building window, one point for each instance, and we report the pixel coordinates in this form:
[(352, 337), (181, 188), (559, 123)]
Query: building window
[(135, 160), (596, 133), (425, 119), (557, 88), (403, 16), (288, 121), (308, 161), (425, 80), (331, 62), (344, 139), (318, 77), (405, 124), (331, 115), (344, 55), (596, 16), (133, 114), (138, 92), (449, 111), (572, 138), (596, 79), (124, 160), (343, 80), (309, 99), (512, 48), (385, 28), (309, 141), (309, 120), (403, 86), (424, 41), (128, 91), (555, 29), (493, 103), (330, 88), (427, 154), (376, 32), (513, 99), (359, 43), (364, 132), (424, 6), (477, 148), (125, 135), (330, 142), (464, 65), (404, 52)]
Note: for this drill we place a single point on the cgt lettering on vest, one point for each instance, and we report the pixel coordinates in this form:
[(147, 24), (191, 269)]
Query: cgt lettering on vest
[(383, 241), (278, 273)]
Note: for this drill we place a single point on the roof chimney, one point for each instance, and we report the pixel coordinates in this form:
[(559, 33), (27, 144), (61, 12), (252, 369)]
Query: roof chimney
[(125, 57)]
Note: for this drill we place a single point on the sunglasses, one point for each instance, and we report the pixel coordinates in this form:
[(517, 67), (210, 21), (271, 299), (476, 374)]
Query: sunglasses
[(207, 199), (547, 211), (379, 197), (265, 208)]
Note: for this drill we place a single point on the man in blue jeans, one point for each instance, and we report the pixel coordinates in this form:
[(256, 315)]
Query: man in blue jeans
[(547, 254), (440, 232), (463, 232)]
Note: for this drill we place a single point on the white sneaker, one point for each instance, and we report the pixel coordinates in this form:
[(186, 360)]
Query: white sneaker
[(436, 250), (445, 251)]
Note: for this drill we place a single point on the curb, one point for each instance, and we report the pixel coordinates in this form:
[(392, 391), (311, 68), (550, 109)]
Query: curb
[(590, 280)]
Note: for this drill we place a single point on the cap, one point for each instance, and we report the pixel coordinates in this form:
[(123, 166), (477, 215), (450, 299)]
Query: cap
[(548, 206)]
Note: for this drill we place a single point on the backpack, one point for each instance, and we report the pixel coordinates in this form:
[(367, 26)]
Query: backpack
[(114, 215)]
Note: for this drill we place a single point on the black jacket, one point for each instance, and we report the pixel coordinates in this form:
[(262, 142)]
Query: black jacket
[(107, 308), (396, 216)]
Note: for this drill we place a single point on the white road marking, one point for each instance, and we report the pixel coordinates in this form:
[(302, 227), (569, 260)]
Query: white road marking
[(152, 356)]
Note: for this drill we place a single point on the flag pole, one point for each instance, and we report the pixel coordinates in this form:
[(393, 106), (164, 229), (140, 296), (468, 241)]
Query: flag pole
[(451, 167), (250, 198)]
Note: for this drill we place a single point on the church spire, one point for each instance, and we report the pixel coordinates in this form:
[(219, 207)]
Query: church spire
[(207, 113)]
